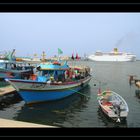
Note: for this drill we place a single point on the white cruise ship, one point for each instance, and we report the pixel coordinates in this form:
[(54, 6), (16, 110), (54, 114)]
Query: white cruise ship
[(112, 56)]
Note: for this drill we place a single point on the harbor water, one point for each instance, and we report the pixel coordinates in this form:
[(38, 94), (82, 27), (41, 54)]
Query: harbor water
[(78, 110)]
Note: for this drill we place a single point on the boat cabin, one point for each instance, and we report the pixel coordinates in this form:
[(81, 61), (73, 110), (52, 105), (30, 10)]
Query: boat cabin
[(59, 72)]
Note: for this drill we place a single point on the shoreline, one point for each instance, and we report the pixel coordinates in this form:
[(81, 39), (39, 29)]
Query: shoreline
[(20, 124)]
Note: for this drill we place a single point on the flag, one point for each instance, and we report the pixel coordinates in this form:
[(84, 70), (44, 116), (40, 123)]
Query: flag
[(60, 51), (77, 57), (72, 57), (99, 91)]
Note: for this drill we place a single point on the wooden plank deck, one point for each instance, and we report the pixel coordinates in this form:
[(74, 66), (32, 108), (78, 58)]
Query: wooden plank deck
[(5, 123), (6, 90)]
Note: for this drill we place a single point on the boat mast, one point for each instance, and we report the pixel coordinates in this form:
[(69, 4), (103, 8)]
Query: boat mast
[(43, 56)]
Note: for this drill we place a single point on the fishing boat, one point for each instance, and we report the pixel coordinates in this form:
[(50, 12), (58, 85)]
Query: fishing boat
[(53, 80), (10, 68), (113, 105), (115, 55)]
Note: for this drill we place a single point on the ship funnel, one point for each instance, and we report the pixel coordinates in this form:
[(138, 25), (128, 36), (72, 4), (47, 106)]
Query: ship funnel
[(115, 49)]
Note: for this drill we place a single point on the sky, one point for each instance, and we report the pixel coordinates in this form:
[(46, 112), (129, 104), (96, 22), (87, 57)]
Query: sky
[(82, 33)]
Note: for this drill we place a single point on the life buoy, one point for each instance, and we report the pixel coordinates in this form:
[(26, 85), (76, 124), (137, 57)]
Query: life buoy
[(56, 63), (33, 77)]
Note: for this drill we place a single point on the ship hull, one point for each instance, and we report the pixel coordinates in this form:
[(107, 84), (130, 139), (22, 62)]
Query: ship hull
[(121, 58)]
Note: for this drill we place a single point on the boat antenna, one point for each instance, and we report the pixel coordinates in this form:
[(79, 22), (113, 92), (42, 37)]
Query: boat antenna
[(99, 90), (43, 56)]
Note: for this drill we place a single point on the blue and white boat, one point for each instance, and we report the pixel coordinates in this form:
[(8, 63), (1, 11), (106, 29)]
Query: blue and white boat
[(52, 81), (12, 69), (9, 68)]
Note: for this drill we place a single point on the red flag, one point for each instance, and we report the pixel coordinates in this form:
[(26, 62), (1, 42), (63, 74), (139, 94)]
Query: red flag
[(72, 57), (99, 91), (77, 57)]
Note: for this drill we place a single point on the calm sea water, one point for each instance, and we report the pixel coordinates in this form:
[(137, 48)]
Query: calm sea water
[(77, 110)]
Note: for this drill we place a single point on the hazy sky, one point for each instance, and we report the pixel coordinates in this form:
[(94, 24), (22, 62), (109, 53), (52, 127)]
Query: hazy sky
[(81, 33)]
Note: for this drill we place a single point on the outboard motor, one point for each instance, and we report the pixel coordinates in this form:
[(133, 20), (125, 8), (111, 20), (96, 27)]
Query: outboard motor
[(117, 110)]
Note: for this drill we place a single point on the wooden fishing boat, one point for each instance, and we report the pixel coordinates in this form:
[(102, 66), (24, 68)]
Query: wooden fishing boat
[(113, 105), (9, 68), (53, 81), (14, 69)]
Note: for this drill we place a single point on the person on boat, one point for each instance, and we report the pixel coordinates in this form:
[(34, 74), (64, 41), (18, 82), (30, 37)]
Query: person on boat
[(66, 74), (56, 76), (81, 75), (70, 73), (38, 68), (52, 79), (73, 76), (86, 72), (13, 66), (106, 98), (61, 77), (77, 76)]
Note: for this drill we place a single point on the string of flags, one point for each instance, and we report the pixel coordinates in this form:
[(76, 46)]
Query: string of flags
[(72, 57)]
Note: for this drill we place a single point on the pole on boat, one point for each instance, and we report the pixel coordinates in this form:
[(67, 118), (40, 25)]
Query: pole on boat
[(99, 90), (132, 79)]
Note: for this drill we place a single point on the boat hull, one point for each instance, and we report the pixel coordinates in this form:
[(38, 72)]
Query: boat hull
[(16, 74), (121, 58), (41, 96), (40, 92), (114, 117)]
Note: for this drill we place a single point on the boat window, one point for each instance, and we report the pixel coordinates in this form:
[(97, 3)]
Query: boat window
[(8, 66), (2, 65), (98, 53), (48, 72), (44, 72), (51, 72)]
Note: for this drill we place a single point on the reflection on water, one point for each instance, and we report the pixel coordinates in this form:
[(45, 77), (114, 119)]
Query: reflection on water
[(53, 112), (8, 100), (137, 92), (9, 105)]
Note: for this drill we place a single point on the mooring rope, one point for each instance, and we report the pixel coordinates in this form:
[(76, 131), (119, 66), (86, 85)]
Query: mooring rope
[(80, 93)]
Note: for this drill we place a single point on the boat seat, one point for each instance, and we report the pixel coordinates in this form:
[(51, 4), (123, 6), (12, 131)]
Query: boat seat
[(107, 103)]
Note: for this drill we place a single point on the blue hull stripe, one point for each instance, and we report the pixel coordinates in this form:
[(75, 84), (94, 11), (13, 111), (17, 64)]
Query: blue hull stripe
[(38, 96)]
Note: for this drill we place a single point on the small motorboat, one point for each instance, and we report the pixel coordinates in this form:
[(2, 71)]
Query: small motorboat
[(113, 105)]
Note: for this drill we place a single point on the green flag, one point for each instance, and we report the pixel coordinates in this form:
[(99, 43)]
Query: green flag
[(60, 51)]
